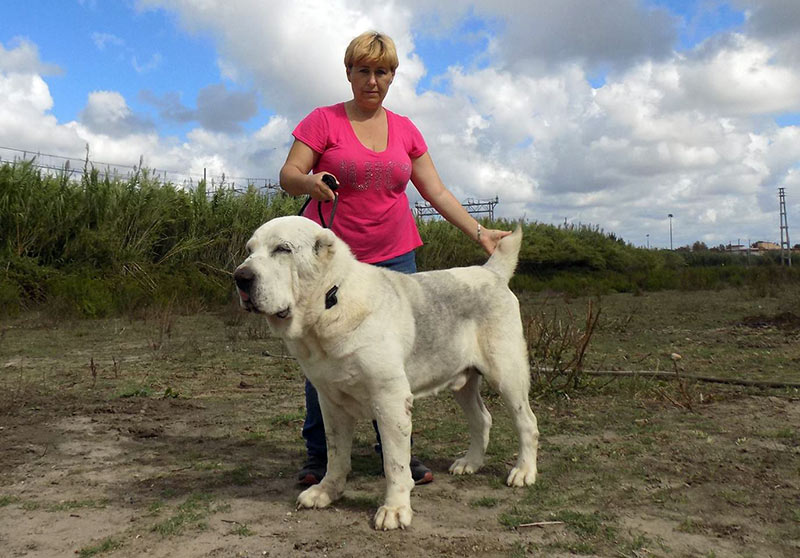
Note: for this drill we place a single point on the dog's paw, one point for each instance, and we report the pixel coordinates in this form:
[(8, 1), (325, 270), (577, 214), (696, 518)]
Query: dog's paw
[(463, 466), (389, 517), (314, 497), (522, 476)]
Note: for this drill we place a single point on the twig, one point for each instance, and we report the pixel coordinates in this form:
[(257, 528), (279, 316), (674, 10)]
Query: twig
[(671, 376), (268, 354), (540, 523), (663, 375), (663, 394), (218, 270)]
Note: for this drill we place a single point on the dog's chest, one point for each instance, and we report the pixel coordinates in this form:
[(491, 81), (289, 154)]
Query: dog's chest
[(343, 389)]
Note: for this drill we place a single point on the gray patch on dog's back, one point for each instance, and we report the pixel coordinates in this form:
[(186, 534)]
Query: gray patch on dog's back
[(445, 301), (444, 292)]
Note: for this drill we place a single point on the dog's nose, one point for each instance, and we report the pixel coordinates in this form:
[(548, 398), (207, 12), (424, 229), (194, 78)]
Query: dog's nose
[(244, 278)]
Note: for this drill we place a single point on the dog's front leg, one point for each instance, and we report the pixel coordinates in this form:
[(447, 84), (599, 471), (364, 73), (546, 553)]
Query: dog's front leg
[(339, 437), (392, 408)]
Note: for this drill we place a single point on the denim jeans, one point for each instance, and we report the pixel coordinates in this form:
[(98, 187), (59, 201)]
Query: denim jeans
[(313, 427)]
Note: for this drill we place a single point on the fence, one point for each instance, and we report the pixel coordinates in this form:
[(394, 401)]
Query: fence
[(75, 168)]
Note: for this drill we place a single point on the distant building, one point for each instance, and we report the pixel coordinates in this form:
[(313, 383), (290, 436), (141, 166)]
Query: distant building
[(763, 246), (738, 248)]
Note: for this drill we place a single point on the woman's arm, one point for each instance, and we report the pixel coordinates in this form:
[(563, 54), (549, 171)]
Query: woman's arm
[(294, 177), (427, 181)]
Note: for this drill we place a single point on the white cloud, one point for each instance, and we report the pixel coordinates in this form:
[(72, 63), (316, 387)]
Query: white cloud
[(687, 133), (740, 77), (23, 58), (102, 40), (153, 63), (294, 51), (107, 113)]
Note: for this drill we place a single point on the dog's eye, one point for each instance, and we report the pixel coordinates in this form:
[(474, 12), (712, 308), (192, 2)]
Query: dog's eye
[(282, 248)]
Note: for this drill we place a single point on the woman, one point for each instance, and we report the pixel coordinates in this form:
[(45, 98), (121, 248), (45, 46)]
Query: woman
[(372, 153)]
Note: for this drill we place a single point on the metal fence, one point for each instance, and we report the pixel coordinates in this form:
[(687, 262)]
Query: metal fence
[(75, 168)]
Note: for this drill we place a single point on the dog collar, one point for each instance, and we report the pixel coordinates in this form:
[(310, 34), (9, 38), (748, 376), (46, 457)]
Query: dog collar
[(330, 297)]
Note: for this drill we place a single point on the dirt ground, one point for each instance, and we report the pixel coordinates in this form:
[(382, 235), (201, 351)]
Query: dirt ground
[(155, 438)]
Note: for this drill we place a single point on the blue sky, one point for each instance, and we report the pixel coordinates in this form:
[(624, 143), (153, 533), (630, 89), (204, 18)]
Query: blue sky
[(118, 46), (612, 113)]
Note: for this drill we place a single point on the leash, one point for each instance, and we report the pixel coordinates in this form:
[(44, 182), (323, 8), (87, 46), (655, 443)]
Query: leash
[(330, 182)]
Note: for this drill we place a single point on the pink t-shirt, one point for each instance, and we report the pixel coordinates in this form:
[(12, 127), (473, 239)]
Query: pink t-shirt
[(373, 215)]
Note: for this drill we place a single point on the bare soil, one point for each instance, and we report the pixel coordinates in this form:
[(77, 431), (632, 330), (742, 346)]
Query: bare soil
[(180, 437)]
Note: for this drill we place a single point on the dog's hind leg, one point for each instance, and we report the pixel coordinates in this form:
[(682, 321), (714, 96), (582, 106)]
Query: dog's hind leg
[(479, 421), (339, 437), (509, 374)]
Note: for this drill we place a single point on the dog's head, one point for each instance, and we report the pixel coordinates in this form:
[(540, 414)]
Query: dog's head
[(288, 256)]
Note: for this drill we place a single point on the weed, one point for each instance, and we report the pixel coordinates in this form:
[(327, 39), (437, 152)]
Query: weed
[(484, 502), (518, 550), (71, 505), (31, 505), (558, 346), (107, 545), (8, 500), (286, 419), (189, 515), (242, 530), (692, 526), (241, 476), (135, 391)]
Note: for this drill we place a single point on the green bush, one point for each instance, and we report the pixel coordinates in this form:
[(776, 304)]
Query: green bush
[(10, 297), (81, 295)]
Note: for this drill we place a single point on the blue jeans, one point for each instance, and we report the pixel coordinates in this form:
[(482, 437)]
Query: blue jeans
[(314, 427)]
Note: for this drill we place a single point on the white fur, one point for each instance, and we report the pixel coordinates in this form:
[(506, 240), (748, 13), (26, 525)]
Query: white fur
[(390, 338)]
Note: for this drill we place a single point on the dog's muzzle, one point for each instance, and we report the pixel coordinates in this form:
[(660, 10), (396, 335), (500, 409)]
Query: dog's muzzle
[(244, 278), (245, 281)]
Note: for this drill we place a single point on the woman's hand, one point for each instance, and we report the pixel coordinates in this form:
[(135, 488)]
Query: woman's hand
[(489, 238), (317, 188)]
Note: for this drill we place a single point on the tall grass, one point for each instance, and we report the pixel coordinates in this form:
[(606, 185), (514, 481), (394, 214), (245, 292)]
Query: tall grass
[(106, 244)]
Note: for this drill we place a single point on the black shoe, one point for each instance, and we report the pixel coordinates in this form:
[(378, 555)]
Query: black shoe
[(419, 472), (313, 470)]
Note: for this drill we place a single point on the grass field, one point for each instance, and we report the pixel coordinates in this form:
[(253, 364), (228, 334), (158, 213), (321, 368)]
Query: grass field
[(179, 435)]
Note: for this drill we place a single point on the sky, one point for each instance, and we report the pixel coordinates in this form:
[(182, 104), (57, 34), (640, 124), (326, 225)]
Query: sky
[(607, 113)]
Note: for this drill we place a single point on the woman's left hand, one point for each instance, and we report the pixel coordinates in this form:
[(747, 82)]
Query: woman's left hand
[(490, 237)]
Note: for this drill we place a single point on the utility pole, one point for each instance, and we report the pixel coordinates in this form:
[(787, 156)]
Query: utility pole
[(670, 230), (786, 247)]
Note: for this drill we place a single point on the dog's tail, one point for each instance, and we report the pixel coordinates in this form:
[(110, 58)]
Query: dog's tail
[(504, 259)]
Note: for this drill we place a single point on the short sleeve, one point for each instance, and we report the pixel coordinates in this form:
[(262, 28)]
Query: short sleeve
[(415, 143), (313, 130)]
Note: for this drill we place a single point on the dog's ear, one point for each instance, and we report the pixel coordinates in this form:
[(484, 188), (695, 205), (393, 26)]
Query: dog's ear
[(324, 245)]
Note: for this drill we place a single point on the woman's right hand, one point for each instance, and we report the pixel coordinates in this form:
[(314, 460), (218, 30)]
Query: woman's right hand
[(318, 189)]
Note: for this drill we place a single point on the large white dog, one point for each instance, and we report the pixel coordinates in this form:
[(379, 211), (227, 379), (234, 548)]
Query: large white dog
[(371, 340)]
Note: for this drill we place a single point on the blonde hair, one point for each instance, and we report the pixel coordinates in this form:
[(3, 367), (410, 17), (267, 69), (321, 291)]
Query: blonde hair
[(371, 47)]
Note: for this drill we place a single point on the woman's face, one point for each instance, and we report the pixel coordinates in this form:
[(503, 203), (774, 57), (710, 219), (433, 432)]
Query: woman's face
[(370, 83)]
